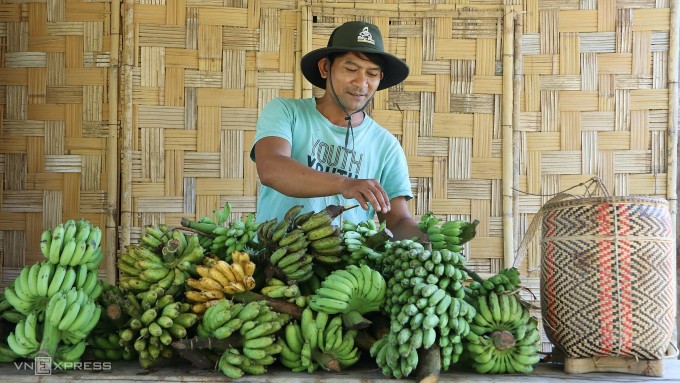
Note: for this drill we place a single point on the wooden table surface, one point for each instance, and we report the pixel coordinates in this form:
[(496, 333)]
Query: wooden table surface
[(131, 372)]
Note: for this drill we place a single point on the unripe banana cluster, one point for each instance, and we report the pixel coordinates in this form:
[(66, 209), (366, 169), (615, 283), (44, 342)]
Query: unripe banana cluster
[(450, 235), (504, 338), (108, 347), (299, 239), (220, 238), (506, 280), (287, 246), (34, 285), (391, 363), (218, 278), (318, 342), (69, 318), (167, 267), (426, 305), (354, 236), (73, 243), (256, 324), (156, 321), (277, 289), (352, 291), (325, 239), (9, 313)]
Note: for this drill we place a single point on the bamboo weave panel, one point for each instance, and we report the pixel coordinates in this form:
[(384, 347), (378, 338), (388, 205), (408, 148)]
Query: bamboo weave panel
[(594, 101), (54, 81)]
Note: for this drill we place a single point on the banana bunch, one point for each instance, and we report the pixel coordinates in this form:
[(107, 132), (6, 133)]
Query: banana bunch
[(271, 232), (352, 291), (325, 239), (233, 364), (286, 246), (219, 278), (294, 266), (510, 347), (74, 314), (23, 341), (425, 302), (222, 238), (73, 243), (354, 237), (277, 289), (318, 341), (256, 325), (392, 363), (107, 347), (30, 291), (507, 279), (236, 237), (450, 235), (162, 321), (168, 267), (69, 318)]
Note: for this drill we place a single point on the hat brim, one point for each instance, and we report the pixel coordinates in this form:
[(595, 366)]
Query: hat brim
[(395, 69)]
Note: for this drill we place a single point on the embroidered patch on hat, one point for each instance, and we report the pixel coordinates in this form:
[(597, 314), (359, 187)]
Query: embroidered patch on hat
[(365, 36)]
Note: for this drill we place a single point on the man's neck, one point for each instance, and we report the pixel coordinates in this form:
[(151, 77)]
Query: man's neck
[(333, 113)]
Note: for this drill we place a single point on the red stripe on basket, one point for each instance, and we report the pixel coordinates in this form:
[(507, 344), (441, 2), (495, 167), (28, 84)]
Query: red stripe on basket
[(625, 274), (626, 292), (549, 269), (604, 253)]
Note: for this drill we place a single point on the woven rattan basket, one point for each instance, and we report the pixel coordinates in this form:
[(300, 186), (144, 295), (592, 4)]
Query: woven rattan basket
[(607, 276)]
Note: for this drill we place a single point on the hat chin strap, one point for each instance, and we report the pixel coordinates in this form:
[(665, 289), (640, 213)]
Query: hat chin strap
[(348, 116)]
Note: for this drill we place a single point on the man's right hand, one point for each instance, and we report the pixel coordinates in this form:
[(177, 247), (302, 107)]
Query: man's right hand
[(366, 191)]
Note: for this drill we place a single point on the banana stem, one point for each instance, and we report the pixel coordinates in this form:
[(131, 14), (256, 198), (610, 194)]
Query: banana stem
[(277, 305), (354, 320), (50, 340), (378, 238), (364, 340), (474, 275), (198, 358), (502, 340), (132, 306), (209, 343), (326, 361), (429, 365)]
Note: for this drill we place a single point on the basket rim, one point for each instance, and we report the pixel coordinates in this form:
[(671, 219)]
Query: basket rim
[(606, 199)]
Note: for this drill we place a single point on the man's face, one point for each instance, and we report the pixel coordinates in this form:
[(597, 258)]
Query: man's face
[(355, 79)]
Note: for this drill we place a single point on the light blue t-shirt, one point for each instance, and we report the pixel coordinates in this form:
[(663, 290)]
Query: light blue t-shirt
[(372, 153)]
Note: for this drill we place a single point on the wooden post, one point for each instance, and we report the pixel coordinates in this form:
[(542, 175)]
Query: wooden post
[(673, 148), (305, 37), (507, 130), (126, 123), (516, 112), (112, 160)]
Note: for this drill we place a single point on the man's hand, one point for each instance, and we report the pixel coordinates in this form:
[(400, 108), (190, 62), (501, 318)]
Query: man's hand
[(366, 191), (400, 222)]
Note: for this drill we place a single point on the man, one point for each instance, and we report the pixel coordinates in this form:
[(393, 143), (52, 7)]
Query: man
[(326, 151)]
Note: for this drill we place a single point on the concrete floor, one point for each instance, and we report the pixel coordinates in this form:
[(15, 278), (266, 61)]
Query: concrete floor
[(121, 372)]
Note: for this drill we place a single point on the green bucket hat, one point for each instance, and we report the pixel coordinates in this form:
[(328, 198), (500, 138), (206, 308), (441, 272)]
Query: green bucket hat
[(355, 36)]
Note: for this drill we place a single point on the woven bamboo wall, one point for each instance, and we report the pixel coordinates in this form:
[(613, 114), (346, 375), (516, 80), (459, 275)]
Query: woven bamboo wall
[(55, 65)]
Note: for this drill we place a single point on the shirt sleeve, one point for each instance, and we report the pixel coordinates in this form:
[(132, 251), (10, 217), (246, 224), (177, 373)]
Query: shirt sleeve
[(395, 177), (275, 120)]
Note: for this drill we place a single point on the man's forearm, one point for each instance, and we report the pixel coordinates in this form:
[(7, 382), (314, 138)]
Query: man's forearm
[(407, 228), (294, 179)]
